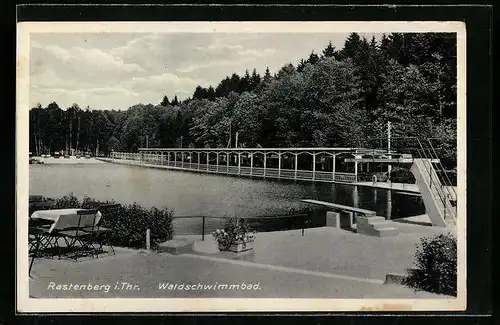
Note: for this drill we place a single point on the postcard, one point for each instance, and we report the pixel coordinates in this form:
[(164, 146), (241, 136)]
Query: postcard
[(241, 166)]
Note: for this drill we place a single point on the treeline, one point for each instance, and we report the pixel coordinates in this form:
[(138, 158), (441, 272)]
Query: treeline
[(339, 97)]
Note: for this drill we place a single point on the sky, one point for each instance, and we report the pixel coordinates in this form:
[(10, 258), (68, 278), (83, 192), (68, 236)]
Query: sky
[(119, 70)]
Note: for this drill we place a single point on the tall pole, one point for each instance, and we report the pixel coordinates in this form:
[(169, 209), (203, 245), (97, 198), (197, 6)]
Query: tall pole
[(389, 169), (236, 144)]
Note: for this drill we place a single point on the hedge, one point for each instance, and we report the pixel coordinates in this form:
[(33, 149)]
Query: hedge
[(128, 222), (436, 265)]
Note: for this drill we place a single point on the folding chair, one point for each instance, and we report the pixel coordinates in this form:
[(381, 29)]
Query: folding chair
[(101, 235), (37, 238), (76, 229)]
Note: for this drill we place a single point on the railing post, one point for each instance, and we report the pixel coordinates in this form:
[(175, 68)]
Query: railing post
[(333, 169), (314, 165), (265, 163), (182, 159), (239, 163), (190, 160), (296, 165), (203, 229), (227, 162), (430, 176), (198, 161), (279, 164), (208, 159), (217, 163), (356, 170), (251, 163), (175, 159)]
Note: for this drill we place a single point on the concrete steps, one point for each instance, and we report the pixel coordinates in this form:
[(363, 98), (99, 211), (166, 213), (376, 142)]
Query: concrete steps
[(375, 226)]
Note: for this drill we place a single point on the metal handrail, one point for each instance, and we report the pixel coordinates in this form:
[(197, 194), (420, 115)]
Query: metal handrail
[(447, 187), (439, 190), (449, 183)]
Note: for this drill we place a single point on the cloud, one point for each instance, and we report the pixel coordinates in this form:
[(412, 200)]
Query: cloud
[(217, 48), (257, 53), (118, 70), (102, 61), (161, 83)]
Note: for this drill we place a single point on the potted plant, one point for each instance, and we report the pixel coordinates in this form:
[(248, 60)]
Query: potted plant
[(234, 237)]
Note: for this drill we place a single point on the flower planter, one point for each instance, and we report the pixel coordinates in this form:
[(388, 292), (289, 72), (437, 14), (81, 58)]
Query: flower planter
[(241, 247)]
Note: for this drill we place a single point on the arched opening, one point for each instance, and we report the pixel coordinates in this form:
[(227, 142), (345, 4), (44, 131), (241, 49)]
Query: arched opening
[(305, 161), (288, 161), (258, 159)]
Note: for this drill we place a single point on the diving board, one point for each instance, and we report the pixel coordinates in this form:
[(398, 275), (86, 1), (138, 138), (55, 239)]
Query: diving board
[(368, 213)]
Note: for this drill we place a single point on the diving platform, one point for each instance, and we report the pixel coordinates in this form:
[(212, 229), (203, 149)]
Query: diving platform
[(341, 207)]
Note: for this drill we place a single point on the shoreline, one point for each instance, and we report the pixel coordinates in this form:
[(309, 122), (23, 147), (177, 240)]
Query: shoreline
[(72, 160)]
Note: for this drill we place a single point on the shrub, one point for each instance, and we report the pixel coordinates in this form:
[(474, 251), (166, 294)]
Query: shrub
[(128, 222), (66, 202), (436, 265), (235, 231)]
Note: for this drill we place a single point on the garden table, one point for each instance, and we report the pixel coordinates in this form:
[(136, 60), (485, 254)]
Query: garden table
[(48, 222), (62, 218)]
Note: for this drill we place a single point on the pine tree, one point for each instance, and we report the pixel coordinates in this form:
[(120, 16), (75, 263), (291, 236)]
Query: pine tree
[(255, 80), (351, 46), (175, 102), (301, 65), (329, 51), (164, 102), (313, 58), (199, 92), (244, 84), (210, 94), (267, 76)]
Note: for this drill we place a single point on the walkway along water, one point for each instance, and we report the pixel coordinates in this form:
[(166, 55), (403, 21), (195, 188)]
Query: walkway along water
[(310, 164)]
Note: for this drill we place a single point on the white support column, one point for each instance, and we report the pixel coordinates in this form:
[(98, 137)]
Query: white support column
[(279, 164), (296, 164), (175, 159), (208, 158), (356, 170), (198, 160), (239, 163), (182, 159), (168, 158), (265, 160), (227, 162), (333, 167), (161, 158), (190, 160), (251, 163), (217, 163), (314, 166)]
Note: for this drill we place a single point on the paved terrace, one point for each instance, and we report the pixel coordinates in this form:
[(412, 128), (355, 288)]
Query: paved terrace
[(325, 263)]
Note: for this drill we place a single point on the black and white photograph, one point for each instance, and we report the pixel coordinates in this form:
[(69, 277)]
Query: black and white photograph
[(274, 166)]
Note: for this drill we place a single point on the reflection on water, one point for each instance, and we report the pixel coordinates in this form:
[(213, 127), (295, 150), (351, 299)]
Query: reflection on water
[(211, 195)]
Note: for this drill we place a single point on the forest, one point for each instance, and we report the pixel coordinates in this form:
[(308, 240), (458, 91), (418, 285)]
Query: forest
[(339, 97)]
